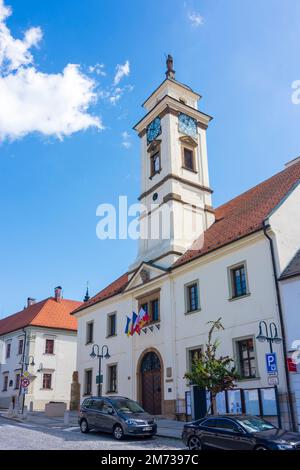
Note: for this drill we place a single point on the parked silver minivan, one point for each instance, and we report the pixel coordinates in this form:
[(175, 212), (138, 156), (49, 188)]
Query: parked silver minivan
[(117, 415)]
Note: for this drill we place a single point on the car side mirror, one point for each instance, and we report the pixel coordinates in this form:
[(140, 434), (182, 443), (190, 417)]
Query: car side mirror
[(111, 411)]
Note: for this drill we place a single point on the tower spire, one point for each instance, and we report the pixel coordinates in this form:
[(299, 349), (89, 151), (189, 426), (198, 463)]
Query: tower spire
[(87, 295), (170, 73)]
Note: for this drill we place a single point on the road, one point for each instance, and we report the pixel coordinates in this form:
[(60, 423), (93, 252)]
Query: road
[(25, 436)]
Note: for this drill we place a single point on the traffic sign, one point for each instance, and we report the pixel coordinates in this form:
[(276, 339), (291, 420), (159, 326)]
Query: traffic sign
[(271, 361), (292, 366), (25, 382), (273, 380)]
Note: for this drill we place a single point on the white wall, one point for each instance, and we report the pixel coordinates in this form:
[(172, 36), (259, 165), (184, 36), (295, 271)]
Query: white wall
[(179, 332), (285, 223), (290, 289), (61, 365)]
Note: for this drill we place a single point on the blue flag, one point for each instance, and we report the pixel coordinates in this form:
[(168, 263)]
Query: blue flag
[(128, 326)]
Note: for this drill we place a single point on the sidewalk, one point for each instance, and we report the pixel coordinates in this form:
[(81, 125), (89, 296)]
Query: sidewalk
[(165, 427)]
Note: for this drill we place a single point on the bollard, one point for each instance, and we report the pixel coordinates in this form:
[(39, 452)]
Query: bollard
[(66, 417), (31, 406)]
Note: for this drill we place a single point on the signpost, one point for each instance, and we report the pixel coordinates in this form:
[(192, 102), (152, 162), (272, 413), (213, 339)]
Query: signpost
[(97, 379), (271, 360)]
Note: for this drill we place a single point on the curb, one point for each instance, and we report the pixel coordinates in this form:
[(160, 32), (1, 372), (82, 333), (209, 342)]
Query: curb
[(11, 418)]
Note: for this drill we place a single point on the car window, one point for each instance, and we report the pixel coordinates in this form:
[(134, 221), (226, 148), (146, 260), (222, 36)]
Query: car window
[(125, 405), (227, 425), (97, 405), (254, 424), (209, 423), (87, 403), (106, 407)]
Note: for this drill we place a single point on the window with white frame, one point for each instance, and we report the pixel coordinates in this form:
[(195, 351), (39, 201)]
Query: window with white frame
[(246, 358), (5, 383), (8, 350), (111, 324), (112, 378), (47, 381), (192, 297), (20, 346), (90, 332), (238, 280), (49, 346), (88, 380)]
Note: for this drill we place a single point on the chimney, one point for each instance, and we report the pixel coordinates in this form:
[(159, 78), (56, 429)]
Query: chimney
[(30, 301), (58, 293)]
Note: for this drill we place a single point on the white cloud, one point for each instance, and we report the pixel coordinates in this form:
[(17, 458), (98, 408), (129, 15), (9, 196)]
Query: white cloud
[(98, 69), (196, 19), (121, 71), (126, 140), (52, 104), (33, 101)]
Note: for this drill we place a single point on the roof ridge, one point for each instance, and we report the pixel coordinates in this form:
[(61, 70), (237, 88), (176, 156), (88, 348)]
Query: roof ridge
[(26, 308)]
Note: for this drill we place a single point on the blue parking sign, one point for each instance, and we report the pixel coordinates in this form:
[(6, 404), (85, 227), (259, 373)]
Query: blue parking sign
[(271, 360)]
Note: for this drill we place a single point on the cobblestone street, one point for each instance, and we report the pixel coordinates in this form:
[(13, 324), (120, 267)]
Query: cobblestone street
[(24, 436)]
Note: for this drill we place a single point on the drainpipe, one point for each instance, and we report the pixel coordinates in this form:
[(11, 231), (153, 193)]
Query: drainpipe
[(282, 327), (23, 357)]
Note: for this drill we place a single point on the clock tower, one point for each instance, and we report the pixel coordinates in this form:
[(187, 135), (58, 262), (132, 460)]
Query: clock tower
[(175, 192)]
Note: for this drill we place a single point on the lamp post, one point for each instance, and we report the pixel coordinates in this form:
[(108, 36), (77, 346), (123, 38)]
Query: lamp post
[(271, 334), (99, 356)]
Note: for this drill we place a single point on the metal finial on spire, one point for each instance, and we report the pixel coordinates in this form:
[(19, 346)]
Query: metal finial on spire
[(170, 73), (87, 295)]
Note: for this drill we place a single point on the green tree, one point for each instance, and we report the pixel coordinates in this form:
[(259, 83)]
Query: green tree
[(215, 374)]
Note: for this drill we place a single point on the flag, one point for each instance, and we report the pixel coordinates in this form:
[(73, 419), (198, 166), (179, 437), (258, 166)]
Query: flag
[(143, 318), (128, 326), (133, 323)]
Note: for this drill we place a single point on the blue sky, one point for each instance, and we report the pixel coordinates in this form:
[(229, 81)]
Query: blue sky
[(241, 56)]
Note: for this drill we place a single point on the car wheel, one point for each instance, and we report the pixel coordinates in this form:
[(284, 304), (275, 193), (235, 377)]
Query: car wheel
[(118, 432), (194, 443), (84, 427), (261, 448)]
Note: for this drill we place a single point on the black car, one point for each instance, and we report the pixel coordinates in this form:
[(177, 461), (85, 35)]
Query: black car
[(119, 416), (238, 432)]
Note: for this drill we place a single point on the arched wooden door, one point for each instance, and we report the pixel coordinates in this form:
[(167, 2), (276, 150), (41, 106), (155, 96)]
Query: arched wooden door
[(151, 383)]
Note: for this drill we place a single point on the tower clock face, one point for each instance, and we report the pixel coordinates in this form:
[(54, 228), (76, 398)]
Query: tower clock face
[(153, 130), (187, 125)]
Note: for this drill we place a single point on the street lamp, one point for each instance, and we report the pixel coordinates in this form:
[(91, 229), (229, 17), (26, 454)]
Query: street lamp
[(270, 334), (99, 356)]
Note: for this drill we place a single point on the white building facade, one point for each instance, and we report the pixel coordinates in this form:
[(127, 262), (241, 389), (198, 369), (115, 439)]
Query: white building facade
[(228, 272), (290, 287), (45, 346)]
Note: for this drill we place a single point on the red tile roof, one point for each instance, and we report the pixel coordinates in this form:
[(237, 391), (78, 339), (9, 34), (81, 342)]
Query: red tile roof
[(244, 214), (112, 289), (236, 219), (48, 313)]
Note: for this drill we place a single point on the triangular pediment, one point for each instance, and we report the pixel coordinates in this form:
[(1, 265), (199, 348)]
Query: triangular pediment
[(186, 139), (145, 273), (154, 146)]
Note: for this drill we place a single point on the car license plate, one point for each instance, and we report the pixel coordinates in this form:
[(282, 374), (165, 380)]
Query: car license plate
[(148, 428)]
